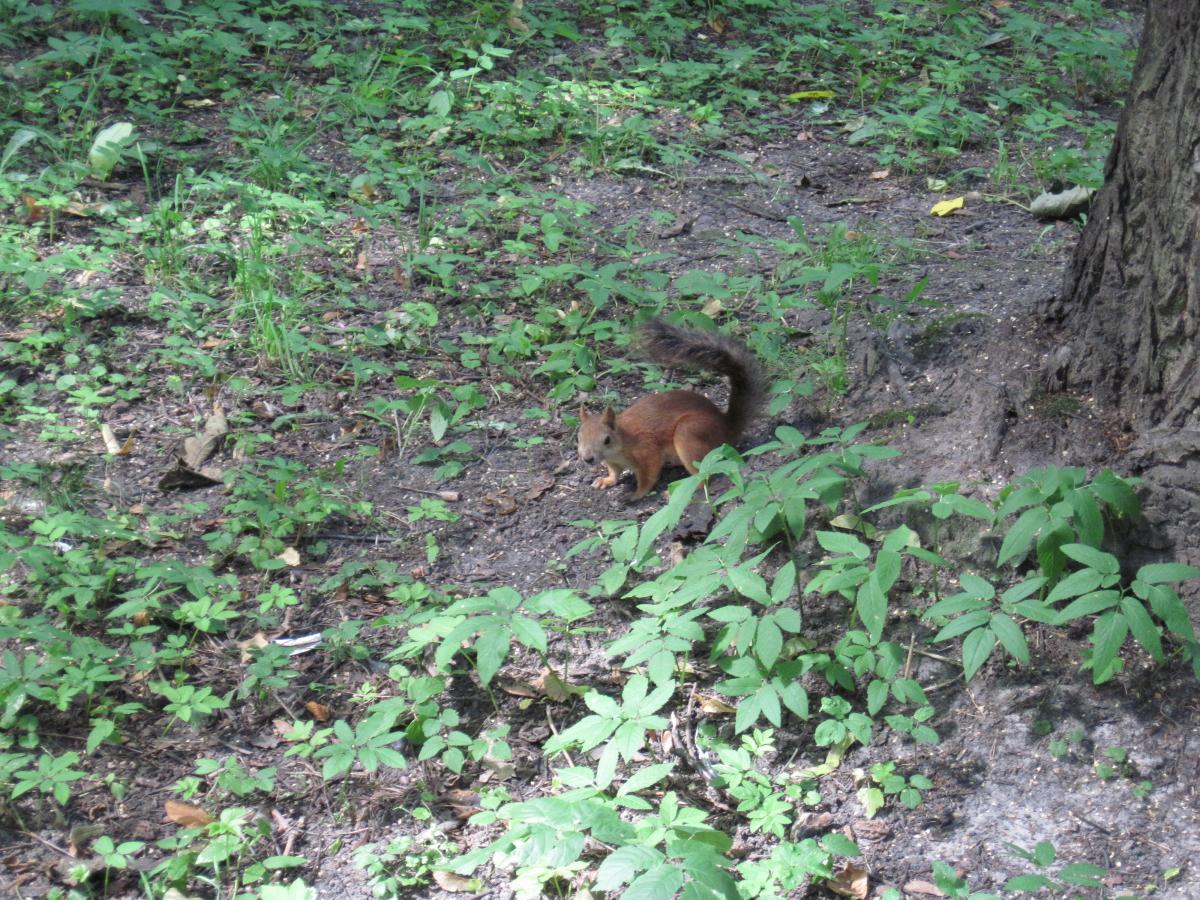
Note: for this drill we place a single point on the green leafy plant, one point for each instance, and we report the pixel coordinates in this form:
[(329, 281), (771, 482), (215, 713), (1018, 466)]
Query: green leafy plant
[(1068, 877)]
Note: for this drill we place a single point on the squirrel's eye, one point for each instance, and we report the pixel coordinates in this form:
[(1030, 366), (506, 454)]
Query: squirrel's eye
[(607, 439)]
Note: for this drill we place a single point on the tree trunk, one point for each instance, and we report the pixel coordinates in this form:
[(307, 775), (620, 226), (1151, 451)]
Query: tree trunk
[(1131, 299)]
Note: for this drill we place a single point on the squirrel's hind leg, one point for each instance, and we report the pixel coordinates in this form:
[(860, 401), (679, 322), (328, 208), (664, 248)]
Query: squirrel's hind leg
[(693, 441)]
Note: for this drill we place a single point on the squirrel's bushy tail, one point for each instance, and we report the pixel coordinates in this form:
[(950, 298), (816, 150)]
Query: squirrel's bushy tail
[(686, 348)]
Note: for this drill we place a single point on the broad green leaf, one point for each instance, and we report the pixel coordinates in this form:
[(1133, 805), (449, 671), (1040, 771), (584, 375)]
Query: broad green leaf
[(19, 139), (976, 586), (872, 607), (872, 800), (845, 544), (877, 693), (1028, 884), (1118, 493), (1011, 637), (1166, 573), (645, 778), (1086, 606), (1168, 607), (1145, 632), (788, 619), (977, 647), (659, 883), (955, 605), (746, 715), (749, 583), (491, 649), (1082, 874), (624, 864), (1044, 853), (1020, 536), (1022, 590), (1075, 584), (438, 423), (795, 698), (1107, 638), (768, 702), (667, 517), (840, 845), (1089, 523), (107, 147), (1093, 558), (1050, 560), (768, 642), (887, 569), (963, 624), (784, 583), (528, 632), (606, 765)]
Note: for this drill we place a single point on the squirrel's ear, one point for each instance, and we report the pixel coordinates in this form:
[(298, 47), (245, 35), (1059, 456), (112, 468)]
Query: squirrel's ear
[(609, 417), (583, 413)]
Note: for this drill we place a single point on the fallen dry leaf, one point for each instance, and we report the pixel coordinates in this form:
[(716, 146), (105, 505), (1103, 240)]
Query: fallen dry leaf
[(716, 706), (256, 641), (850, 881), (198, 448), (555, 688), (112, 445), (504, 504), (920, 886), (520, 689), (497, 769), (538, 489), (290, 555), (880, 174), (945, 207), (870, 829), (810, 823), (448, 881), (187, 814)]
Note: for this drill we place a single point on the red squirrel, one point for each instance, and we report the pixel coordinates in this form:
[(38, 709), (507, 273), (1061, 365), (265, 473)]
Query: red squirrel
[(674, 427)]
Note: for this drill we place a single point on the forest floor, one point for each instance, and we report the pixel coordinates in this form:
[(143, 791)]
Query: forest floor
[(389, 367)]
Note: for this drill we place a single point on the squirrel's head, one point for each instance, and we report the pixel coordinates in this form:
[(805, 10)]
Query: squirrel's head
[(597, 435)]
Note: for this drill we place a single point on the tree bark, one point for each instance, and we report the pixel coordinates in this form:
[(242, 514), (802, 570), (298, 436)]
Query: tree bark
[(1131, 298)]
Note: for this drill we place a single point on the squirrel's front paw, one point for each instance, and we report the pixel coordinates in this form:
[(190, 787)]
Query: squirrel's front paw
[(604, 481)]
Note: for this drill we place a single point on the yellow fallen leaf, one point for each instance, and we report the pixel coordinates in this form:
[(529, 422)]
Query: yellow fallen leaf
[(457, 884), (713, 706), (290, 555), (946, 207), (850, 881), (187, 814), (809, 95)]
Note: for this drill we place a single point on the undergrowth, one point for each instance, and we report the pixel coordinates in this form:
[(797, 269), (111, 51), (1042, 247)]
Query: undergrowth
[(251, 227)]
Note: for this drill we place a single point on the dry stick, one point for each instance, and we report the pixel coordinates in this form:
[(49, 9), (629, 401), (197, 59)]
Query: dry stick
[(550, 722), (912, 639), (45, 842)]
